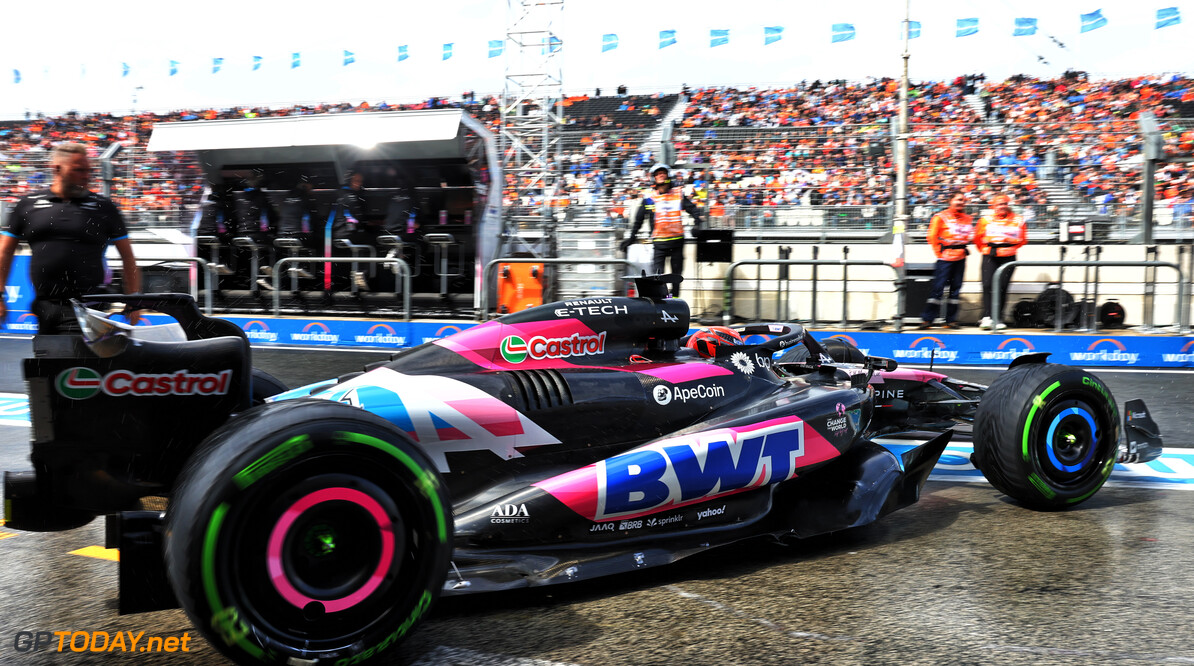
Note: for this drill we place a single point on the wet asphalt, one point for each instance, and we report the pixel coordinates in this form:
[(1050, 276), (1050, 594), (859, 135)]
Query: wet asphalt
[(963, 577)]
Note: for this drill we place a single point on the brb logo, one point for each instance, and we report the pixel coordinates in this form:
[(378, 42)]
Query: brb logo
[(934, 350), (692, 468), (81, 383), (1106, 350), (516, 350)]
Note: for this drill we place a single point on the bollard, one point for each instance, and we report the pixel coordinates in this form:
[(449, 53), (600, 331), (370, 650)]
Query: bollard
[(759, 285), (1057, 327), (1094, 323), (816, 251), (1150, 288), (845, 282)]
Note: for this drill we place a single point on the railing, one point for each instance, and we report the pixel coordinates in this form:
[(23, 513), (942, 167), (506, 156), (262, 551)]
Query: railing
[(405, 270), (728, 312), (483, 304), (203, 265), (1183, 312)]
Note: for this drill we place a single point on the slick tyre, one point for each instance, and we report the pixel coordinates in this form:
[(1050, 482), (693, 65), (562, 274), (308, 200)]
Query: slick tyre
[(308, 531), (1047, 435), (265, 386)]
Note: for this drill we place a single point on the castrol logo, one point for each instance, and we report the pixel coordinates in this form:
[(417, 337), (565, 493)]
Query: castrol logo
[(81, 383)]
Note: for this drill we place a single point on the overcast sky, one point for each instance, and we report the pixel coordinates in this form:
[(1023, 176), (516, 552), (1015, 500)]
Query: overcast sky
[(57, 76)]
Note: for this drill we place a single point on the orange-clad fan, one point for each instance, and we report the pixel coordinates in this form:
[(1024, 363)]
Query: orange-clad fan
[(664, 209), (1000, 232), (950, 232)]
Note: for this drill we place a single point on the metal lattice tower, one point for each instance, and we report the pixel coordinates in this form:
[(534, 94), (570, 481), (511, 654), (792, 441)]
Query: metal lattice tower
[(530, 113)]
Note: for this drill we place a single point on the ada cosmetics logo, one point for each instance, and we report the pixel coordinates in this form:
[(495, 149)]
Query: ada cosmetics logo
[(508, 514), (927, 348)]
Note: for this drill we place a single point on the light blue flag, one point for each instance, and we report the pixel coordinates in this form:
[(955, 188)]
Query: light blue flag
[(216, 64), (609, 42), (257, 62), (555, 44), (1093, 21), (1024, 27), (772, 34), (447, 50), (124, 69), (666, 38), (173, 67), (1167, 17), (842, 32), (913, 29), (719, 38), (296, 60), (966, 27), (402, 53), (349, 57), (495, 47), (16, 76)]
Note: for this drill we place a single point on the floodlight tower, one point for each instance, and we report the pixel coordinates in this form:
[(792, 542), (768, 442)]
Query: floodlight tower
[(531, 103)]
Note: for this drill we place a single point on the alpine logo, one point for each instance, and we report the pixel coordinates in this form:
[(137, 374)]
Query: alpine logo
[(80, 383), (516, 350)]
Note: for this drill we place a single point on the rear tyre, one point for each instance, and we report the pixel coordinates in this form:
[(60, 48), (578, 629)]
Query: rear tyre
[(308, 530), (265, 386), (1047, 435)]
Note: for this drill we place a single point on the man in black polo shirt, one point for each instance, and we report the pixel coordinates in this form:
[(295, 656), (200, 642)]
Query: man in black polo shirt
[(68, 229)]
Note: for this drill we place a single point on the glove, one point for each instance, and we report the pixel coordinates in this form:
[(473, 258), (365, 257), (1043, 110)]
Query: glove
[(624, 245)]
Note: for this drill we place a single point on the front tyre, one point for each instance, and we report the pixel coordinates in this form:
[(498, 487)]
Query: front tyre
[(308, 530), (1047, 435)]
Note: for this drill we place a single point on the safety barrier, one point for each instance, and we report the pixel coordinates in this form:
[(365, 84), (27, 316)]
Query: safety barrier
[(203, 265), (728, 312), (1182, 311), (491, 267), (405, 270)]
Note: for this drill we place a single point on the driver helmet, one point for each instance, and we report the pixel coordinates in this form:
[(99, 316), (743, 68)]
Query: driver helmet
[(707, 340)]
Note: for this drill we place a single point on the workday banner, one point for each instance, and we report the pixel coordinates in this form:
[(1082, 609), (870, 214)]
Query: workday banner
[(18, 296)]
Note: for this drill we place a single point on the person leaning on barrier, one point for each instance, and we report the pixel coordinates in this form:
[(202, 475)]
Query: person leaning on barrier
[(665, 208), (950, 232), (68, 229), (998, 235)]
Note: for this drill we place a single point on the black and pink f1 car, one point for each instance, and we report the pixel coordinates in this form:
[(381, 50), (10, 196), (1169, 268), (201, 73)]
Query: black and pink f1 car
[(570, 441)]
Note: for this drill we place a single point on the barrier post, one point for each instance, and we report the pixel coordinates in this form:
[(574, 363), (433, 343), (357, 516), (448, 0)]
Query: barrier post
[(1150, 290), (813, 318), (1094, 319), (845, 283), (1057, 327)]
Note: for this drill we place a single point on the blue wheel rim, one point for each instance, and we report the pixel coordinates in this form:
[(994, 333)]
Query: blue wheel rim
[(1051, 441)]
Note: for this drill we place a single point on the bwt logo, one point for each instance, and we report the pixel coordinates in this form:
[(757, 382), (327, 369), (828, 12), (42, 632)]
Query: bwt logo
[(1007, 352), (936, 350), (443, 332), (846, 338), (381, 334), (316, 331), (1117, 353), (259, 331), (26, 322)]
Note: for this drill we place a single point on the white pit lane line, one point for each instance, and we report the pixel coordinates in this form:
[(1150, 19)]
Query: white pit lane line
[(14, 409), (1101, 654), (449, 656), (764, 622)]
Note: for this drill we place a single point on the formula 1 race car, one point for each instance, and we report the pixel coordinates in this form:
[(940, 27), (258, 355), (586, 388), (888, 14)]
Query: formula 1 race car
[(562, 443)]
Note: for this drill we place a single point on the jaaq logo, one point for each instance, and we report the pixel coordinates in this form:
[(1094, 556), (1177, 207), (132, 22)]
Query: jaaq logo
[(258, 331), (80, 383), (316, 331), (381, 334), (927, 348), (1106, 350), (1008, 350)]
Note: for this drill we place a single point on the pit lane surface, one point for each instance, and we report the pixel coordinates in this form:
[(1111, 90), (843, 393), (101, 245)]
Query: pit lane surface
[(964, 576)]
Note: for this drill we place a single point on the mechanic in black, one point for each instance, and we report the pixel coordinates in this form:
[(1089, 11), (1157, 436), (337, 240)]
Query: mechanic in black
[(68, 229), (667, 226)]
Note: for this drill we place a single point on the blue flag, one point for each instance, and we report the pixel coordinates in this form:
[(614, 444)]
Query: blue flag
[(666, 38), (772, 35), (124, 69), (609, 42), (718, 38), (966, 27), (402, 54), (216, 64), (1024, 26), (495, 47), (16, 76), (1093, 21), (555, 44), (447, 51), (173, 67), (349, 57), (257, 62), (913, 29), (842, 32), (1167, 17), (296, 59)]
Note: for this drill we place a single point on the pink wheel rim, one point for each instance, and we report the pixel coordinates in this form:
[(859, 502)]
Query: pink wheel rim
[(278, 536)]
